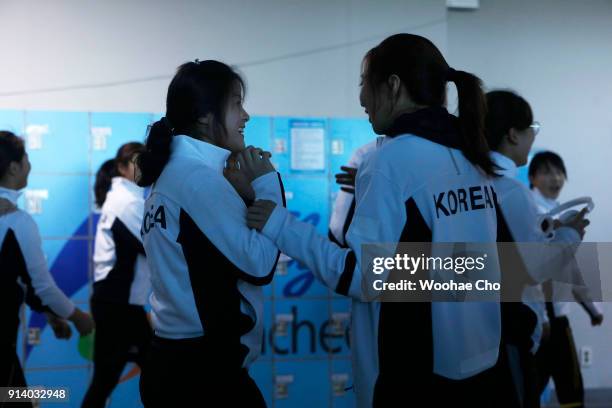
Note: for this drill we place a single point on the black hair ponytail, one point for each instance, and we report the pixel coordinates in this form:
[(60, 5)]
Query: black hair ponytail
[(153, 159), (472, 114), (199, 88), (424, 72), (104, 180), (110, 169)]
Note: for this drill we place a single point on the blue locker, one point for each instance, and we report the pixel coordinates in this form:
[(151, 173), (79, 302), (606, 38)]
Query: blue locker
[(341, 380), (346, 136), (306, 328), (68, 261), (257, 132), (12, 120), (57, 142), (306, 198), (300, 329), (110, 130), (44, 350), (339, 327), (282, 143), (58, 204), (302, 384), (262, 372)]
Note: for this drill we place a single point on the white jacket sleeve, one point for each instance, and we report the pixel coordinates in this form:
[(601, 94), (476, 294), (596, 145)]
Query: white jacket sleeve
[(543, 258), (583, 295), (269, 187), (41, 290), (344, 201), (379, 217), (220, 214)]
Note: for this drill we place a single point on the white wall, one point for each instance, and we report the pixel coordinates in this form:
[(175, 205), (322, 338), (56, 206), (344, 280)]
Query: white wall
[(72, 42), (558, 55)]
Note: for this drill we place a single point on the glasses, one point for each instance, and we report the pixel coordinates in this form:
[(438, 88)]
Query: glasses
[(536, 126)]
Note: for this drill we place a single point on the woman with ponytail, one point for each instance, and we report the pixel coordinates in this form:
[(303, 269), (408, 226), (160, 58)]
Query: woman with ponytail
[(121, 276), (207, 266), (411, 353)]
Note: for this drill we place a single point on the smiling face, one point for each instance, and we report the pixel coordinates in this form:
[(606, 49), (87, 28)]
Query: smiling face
[(235, 120), (549, 180)]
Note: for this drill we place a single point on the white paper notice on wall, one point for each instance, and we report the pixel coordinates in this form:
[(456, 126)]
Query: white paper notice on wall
[(34, 135), (307, 146), (34, 200), (337, 146), (99, 135)]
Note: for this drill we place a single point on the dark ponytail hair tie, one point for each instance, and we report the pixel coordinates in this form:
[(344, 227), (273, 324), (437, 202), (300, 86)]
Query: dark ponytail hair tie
[(167, 123), (451, 75)]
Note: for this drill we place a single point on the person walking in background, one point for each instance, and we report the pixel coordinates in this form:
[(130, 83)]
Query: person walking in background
[(557, 357), (121, 276), (511, 131), (24, 274)]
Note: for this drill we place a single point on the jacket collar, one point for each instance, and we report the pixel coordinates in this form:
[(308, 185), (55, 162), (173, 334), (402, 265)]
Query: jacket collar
[(9, 194), (506, 166), (543, 202), (123, 183), (210, 155), (434, 124)]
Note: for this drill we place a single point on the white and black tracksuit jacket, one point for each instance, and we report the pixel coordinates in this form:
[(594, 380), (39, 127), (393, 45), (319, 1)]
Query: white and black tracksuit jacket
[(344, 206), (403, 194), (519, 222), (24, 274), (207, 267), (121, 274), (580, 293)]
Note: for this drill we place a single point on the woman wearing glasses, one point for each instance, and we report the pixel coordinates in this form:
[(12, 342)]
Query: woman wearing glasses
[(511, 131)]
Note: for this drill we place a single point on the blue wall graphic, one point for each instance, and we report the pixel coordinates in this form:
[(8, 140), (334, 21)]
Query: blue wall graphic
[(306, 343)]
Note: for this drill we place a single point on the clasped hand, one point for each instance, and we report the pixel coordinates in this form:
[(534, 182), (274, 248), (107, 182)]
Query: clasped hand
[(244, 167)]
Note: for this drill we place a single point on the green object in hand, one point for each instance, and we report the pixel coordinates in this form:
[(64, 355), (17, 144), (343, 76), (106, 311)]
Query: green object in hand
[(86, 346)]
